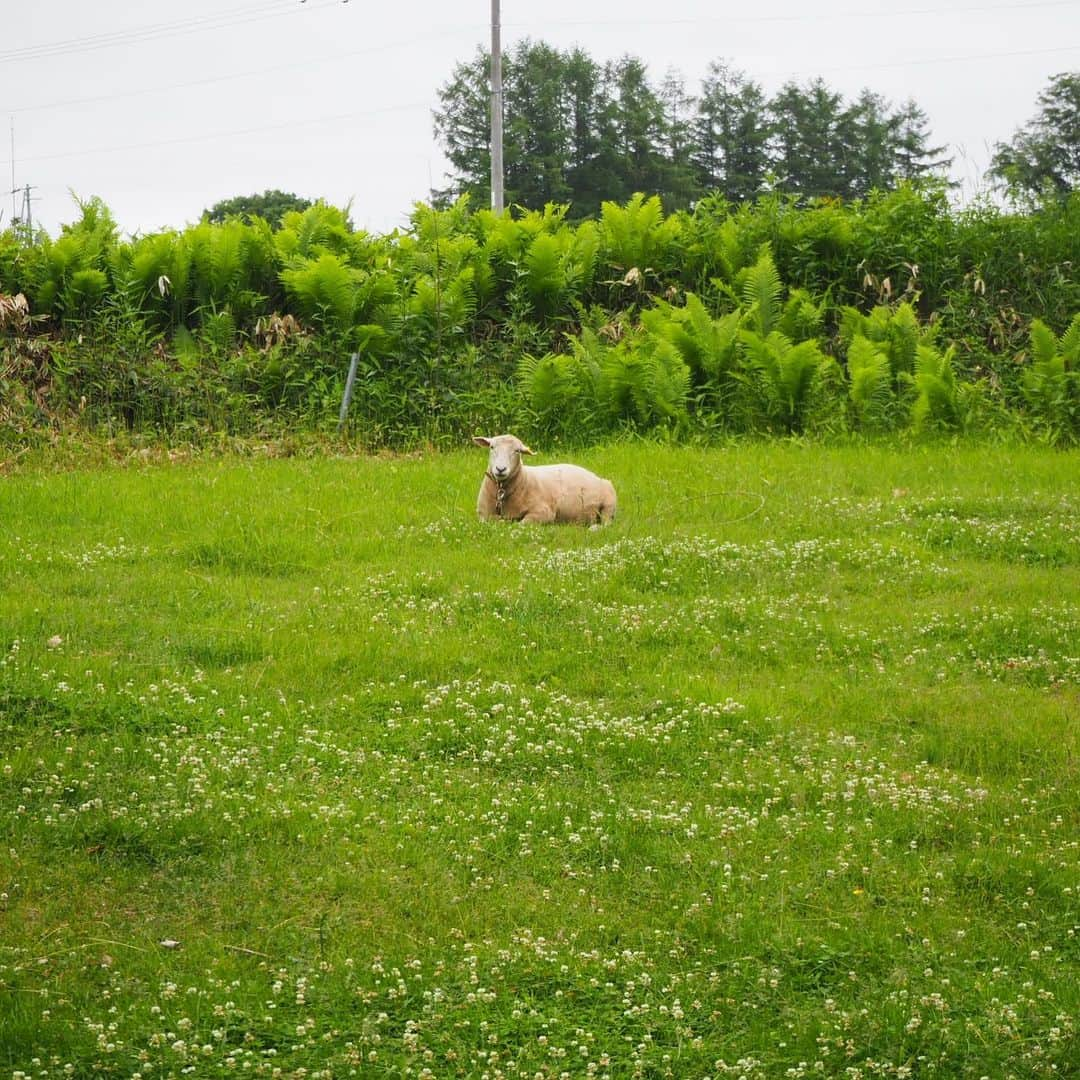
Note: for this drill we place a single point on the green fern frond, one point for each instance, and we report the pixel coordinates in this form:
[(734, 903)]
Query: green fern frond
[(761, 290), (85, 292), (585, 255), (324, 289), (545, 279), (645, 383), (784, 375), (904, 337), (561, 389), (869, 382), (1044, 343), (637, 234), (798, 367), (1051, 385), (937, 406), (227, 259), (1070, 345), (801, 318), (853, 324), (218, 332)]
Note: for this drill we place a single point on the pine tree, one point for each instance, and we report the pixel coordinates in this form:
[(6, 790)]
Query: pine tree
[(462, 124), (1044, 156), (731, 133), (636, 128), (808, 148), (536, 148), (679, 187), (913, 159)]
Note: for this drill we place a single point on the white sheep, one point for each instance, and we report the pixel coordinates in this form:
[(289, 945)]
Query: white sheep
[(542, 493)]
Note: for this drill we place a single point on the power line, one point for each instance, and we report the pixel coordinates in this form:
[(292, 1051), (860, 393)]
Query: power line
[(302, 123), (938, 60), (201, 24), (815, 16), (233, 76), (426, 105), (91, 39), (240, 16), (443, 31), (310, 121)]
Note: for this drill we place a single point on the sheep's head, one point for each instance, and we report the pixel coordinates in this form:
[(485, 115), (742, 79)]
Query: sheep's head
[(504, 454)]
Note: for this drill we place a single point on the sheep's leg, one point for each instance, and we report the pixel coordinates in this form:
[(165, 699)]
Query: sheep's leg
[(605, 512), (541, 516)]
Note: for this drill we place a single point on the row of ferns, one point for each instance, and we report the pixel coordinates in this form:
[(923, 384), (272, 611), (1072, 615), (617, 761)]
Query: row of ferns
[(896, 314)]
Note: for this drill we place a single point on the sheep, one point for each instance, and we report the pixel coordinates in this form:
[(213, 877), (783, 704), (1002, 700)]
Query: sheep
[(541, 493)]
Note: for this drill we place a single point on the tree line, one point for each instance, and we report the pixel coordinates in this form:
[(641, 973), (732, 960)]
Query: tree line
[(580, 132)]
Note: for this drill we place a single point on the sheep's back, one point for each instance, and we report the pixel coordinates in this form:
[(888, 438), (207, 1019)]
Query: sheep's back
[(575, 493)]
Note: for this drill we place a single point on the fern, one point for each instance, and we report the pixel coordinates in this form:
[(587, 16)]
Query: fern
[(1051, 385), (637, 236), (218, 333), (904, 339), (761, 290), (707, 345), (553, 388), (583, 257), (801, 318), (85, 292), (1070, 345), (645, 383), (545, 277), (309, 233), (897, 333), (869, 383), (564, 390), (446, 307), (325, 290), (938, 406), (784, 374), (217, 257)]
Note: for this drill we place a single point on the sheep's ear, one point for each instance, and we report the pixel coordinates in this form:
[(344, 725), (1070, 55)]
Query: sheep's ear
[(526, 450), (481, 441)]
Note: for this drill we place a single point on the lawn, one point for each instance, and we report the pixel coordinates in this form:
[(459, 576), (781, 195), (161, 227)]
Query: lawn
[(306, 772)]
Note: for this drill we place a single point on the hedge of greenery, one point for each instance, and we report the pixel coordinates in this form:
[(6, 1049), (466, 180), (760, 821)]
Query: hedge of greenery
[(894, 313)]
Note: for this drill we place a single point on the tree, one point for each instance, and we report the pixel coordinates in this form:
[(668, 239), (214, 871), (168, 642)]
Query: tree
[(582, 133), (913, 158), (678, 142), (823, 147), (636, 129), (548, 111), (462, 125), (808, 140), (537, 142), (590, 171), (1044, 156), (272, 206), (731, 134), (865, 139)]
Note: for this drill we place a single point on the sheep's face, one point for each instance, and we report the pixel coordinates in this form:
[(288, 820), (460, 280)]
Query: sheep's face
[(504, 455)]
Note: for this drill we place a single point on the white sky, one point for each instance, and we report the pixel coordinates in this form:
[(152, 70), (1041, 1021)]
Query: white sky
[(163, 109)]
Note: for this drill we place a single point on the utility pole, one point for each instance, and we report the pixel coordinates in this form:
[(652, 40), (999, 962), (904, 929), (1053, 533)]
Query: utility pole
[(13, 189), (27, 223), (496, 112)]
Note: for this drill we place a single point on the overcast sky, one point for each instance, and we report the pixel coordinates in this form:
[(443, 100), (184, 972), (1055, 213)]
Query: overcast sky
[(163, 109)]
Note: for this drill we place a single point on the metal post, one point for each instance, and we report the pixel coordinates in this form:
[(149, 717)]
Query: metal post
[(496, 112), (13, 188), (354, 362)]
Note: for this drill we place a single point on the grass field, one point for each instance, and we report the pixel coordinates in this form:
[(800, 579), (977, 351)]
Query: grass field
[(306, 773)]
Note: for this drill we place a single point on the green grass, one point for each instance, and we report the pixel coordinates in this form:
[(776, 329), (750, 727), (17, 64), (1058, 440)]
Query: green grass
[(303, 768)]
